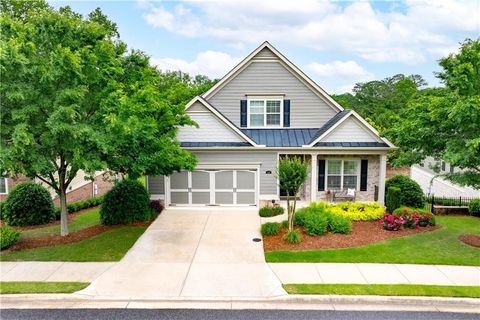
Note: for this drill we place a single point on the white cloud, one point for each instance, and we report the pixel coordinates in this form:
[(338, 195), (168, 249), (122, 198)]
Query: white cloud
[(213, 64), (341, 69), (339, 76), (422, 30)]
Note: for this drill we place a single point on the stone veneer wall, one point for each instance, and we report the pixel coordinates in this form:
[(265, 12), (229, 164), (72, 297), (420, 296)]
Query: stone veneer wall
[(372, 176)]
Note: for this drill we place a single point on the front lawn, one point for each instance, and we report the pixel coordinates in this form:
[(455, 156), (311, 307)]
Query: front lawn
[(108, 246), (437, 247), (41, 287), (82, 221), (384, 290)]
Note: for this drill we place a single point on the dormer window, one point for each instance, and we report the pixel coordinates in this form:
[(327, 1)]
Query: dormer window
[(265, 112)]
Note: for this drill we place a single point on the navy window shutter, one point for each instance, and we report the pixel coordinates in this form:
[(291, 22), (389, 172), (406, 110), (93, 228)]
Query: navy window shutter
[(243, 113), (363, 175), (321, 175), (286, 113)]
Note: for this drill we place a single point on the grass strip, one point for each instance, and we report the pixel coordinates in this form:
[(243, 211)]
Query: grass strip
[(17, 287), (385, 290)]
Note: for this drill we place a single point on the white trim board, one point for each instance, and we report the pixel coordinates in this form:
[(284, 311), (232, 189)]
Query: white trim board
[(282, 59)]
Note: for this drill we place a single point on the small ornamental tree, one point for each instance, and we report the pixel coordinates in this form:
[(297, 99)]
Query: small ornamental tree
[(292, 174)]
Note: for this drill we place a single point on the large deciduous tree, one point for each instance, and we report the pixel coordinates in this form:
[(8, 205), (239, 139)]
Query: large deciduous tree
[(444, 122), (73, 98)]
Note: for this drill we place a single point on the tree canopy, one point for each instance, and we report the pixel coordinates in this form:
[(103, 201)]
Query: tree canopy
[(444, 122), (74, 98)]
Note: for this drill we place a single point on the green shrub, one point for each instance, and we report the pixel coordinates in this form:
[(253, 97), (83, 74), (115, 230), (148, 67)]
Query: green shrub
[(28, 204), (293, 236), (393, 198), (8, 236), (126, 202), (316, 223), (299, 219), (474, 207), (1, 210), (358, 211), (265, 212), (339, 224), (278, 211), (411, 194), (284, 224), (270, 229)]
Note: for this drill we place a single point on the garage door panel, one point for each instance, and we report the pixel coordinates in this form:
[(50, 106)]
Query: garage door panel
[(245, 180), (179, 197), (246, 197), (201, 197), (224, 197), (201, 180), (179, 180), (224, 179)]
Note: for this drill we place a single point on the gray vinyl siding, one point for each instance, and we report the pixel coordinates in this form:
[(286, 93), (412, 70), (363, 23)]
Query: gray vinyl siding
[(266, 53), (350, 131), (197, 106), (261, 77), (156, 185), (268, 160)]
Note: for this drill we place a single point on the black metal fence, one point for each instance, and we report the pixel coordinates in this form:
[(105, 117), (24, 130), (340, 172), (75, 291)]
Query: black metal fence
[(449, 201)]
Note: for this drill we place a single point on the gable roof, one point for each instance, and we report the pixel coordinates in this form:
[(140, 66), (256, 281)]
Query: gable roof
[(330, 123), (337, 120), (220, 116), (299, 73)]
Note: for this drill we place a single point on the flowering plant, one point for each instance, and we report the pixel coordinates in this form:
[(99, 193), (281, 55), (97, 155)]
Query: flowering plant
[(392, 222)]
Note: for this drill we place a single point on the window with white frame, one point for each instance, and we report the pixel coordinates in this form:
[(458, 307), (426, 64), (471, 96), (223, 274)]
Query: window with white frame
[(265, 112), (3, 185), (342, 174)]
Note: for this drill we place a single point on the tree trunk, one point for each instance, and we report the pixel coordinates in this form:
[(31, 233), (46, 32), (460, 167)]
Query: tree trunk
[(63, 212), (289, 212)]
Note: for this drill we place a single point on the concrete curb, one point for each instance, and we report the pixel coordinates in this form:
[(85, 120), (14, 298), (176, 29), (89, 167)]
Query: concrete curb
[(292, 302)]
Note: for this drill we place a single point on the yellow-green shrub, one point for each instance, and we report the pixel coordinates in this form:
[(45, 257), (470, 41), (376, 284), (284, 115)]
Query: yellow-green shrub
[(358, 211)]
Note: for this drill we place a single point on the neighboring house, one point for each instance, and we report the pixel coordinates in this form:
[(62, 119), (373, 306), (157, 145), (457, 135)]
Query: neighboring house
[(264, 109), (431, 183), (79, 188)]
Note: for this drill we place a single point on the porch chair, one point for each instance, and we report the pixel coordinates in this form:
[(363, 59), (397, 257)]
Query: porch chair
[(344, 195)]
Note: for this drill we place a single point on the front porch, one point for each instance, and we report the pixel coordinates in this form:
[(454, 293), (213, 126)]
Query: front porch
[(330, 173)]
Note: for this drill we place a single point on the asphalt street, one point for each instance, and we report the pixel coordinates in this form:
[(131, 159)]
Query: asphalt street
[(189, 314)]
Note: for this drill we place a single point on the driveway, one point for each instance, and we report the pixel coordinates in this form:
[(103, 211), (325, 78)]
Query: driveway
[(200, 252)]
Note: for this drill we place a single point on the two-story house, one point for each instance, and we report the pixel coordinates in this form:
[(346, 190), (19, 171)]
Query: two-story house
[(263, 109)]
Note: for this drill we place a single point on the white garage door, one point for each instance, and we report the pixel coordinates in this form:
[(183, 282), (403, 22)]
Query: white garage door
[(213, 187)]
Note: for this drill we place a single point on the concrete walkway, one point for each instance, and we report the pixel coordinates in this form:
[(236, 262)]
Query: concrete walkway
[(358, 273), (376, 273)]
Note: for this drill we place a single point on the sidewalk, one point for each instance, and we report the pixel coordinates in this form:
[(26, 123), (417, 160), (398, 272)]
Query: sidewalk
[(353, 273)]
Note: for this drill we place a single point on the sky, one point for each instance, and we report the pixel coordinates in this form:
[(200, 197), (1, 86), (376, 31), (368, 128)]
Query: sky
[(336, 43)]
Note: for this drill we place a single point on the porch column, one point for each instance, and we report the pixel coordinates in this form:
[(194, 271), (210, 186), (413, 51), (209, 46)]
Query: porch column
[(314, 174), (381, 182)]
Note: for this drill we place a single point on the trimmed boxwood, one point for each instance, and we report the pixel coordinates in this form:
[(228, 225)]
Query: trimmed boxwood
[(128, 201), (393, 198), (411, 193), (474, 207), (8, 236), (28, 204)]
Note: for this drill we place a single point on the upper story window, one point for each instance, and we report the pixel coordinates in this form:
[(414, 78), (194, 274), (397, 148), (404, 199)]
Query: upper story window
[(265, 112)]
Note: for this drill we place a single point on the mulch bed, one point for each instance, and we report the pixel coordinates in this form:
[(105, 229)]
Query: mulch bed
[(363, 232), (470, 239), (56, 239)]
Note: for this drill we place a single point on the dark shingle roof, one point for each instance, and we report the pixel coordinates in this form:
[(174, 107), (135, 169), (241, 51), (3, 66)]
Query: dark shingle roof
[(214, 144), (352, 144), (330, 123), (285, 137)]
